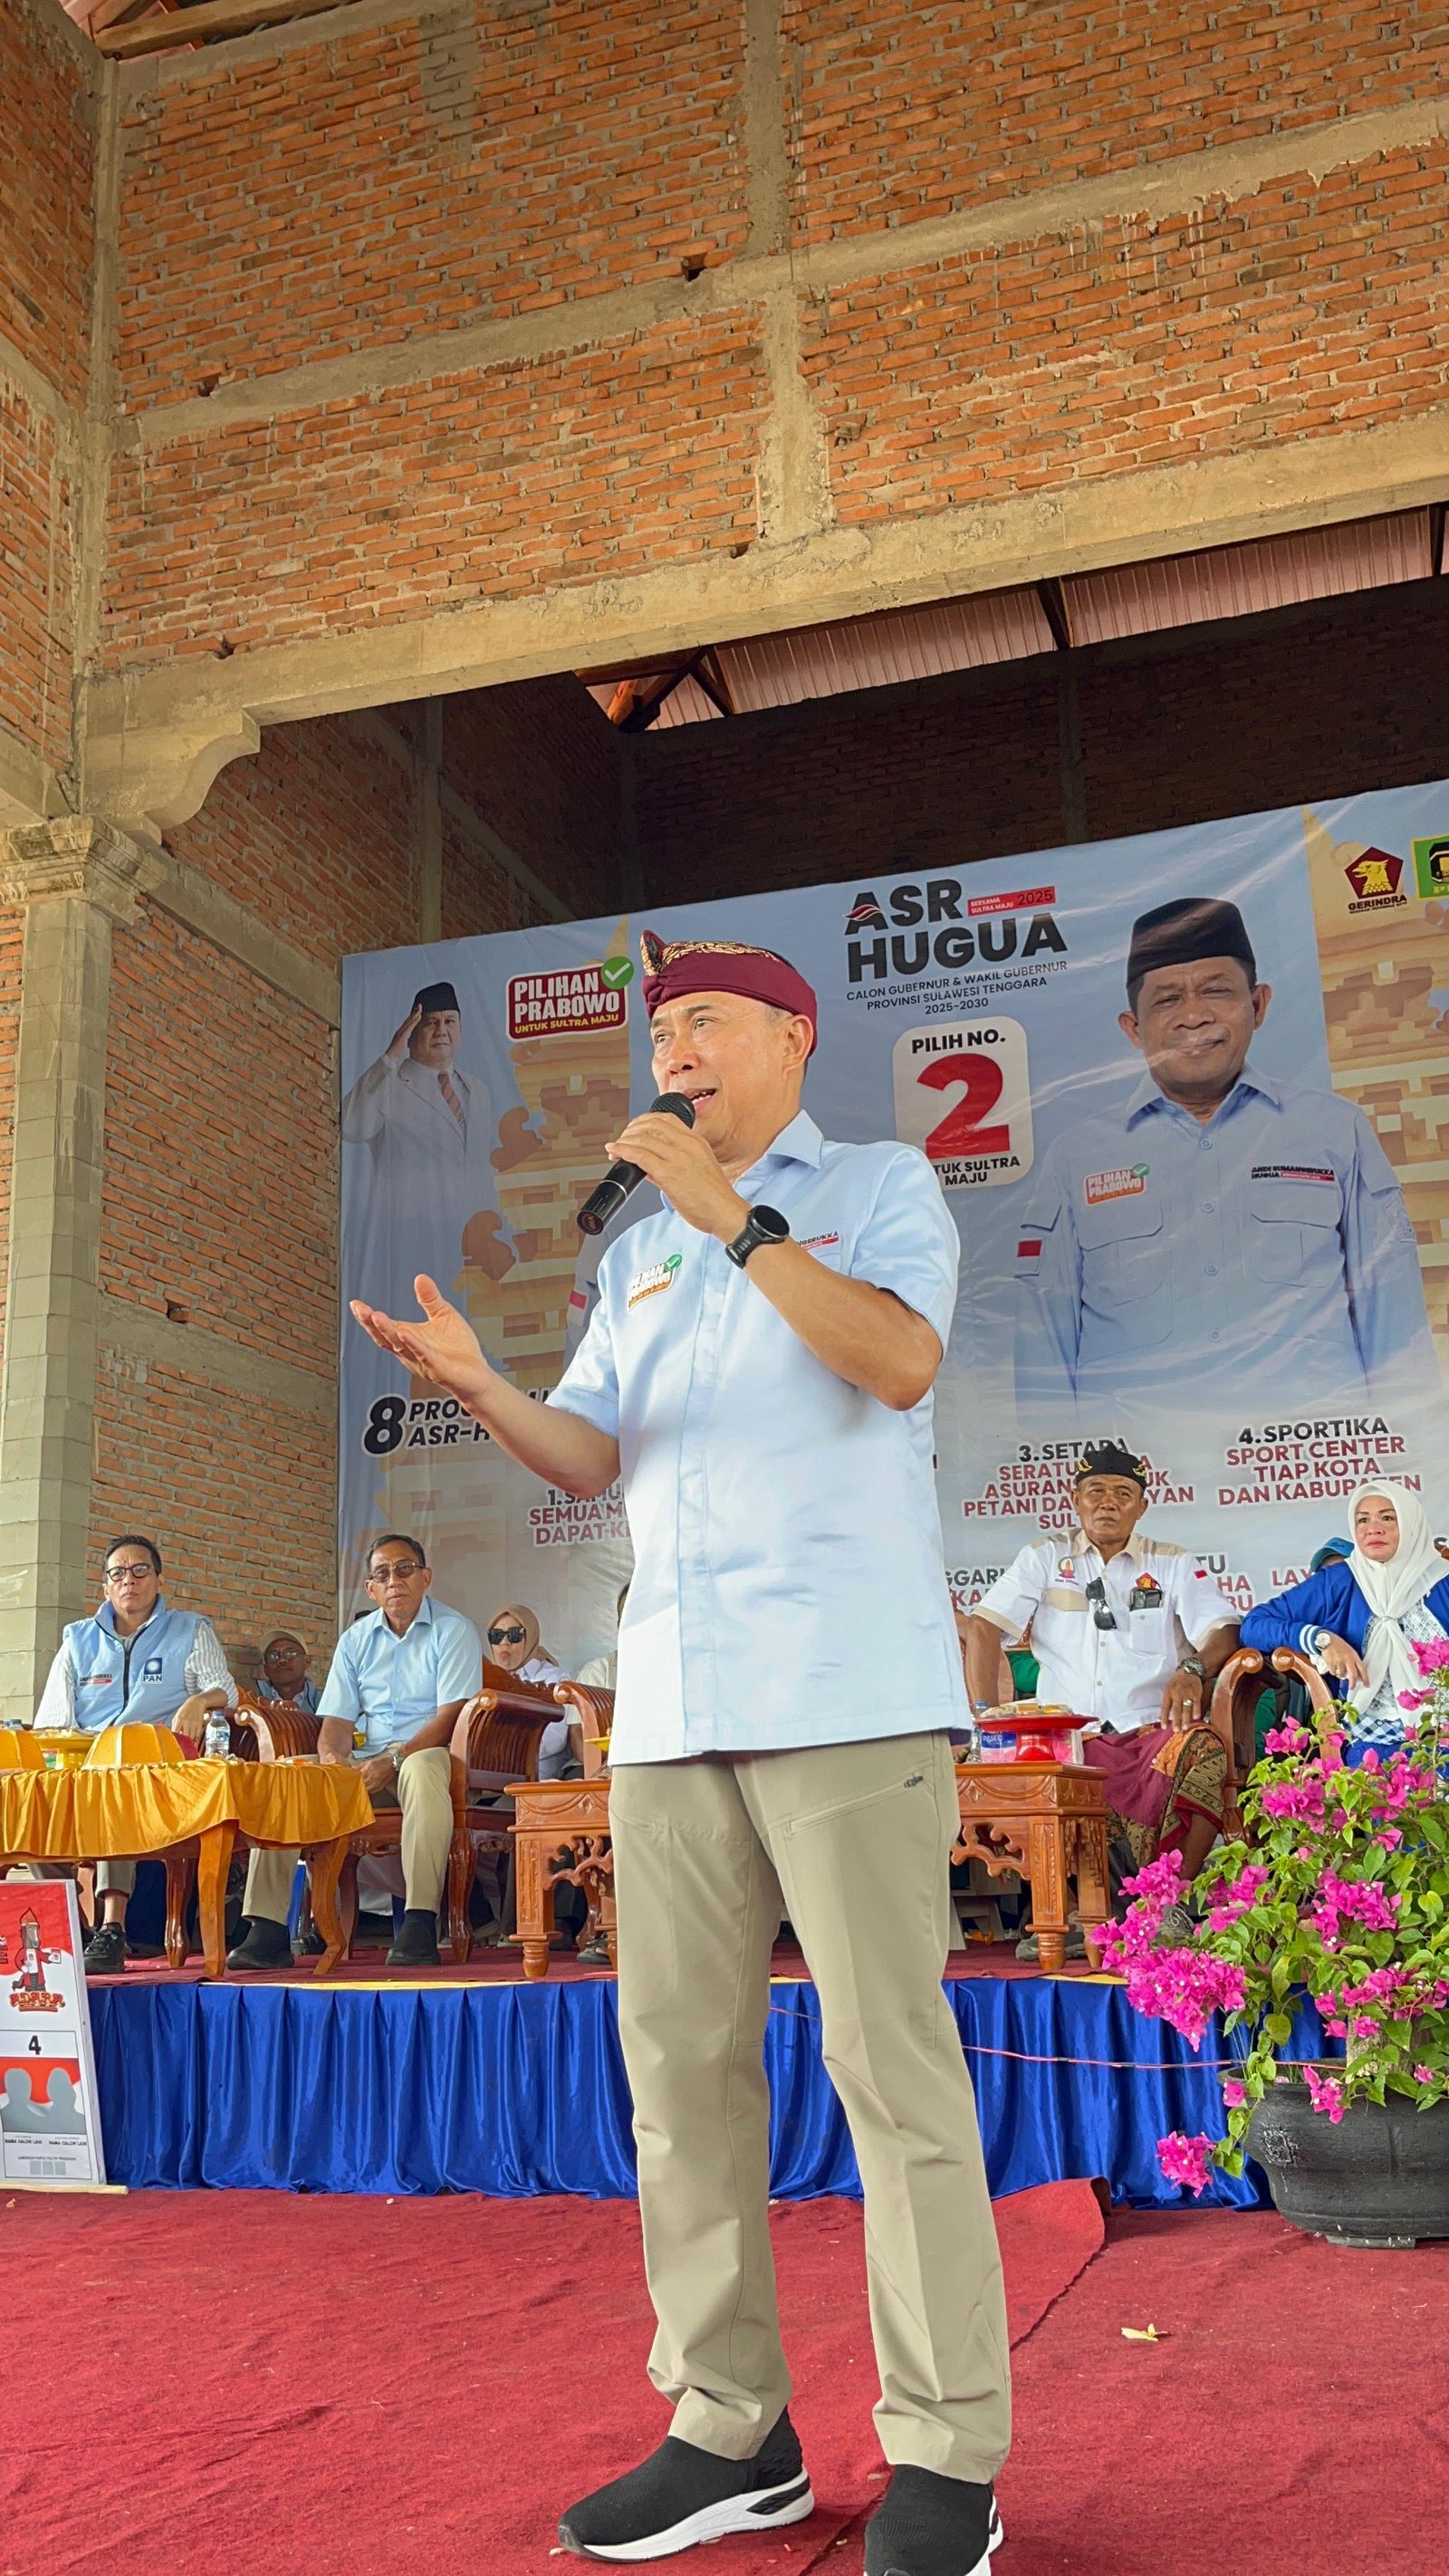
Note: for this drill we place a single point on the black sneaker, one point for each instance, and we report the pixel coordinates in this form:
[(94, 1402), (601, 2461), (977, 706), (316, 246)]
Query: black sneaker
[(266, 1945), (105, 1952), (416, 1945), (681, 2495), (927, 2525)]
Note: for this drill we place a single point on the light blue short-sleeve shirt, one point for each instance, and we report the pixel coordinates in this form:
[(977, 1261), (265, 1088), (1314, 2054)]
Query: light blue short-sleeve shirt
[(388, 1686), (789, 1586)]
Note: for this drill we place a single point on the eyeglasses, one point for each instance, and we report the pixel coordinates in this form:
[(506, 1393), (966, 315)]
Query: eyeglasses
[(129, 1573), (506, 1636), (393, 1573), (1096, 1594)]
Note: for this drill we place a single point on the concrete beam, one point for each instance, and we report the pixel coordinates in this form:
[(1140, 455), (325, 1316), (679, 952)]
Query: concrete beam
[(163, 734)]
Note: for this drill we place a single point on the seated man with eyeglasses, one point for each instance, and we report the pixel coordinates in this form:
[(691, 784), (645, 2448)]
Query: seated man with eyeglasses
[(1128, 1631), (134, 1658), (398, 1681), (284, 1676)]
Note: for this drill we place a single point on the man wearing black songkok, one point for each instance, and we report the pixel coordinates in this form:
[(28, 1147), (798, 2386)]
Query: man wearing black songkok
[(1221, 1238), (429, 1130)]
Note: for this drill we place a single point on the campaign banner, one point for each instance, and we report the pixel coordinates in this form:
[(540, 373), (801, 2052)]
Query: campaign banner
[(1208, 1216), (50, 2130)]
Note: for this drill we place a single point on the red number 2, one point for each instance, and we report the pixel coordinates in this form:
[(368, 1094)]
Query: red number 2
[(961, 1131)]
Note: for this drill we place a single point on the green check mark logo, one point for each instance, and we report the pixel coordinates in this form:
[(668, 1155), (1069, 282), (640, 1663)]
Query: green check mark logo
[(617, 972)]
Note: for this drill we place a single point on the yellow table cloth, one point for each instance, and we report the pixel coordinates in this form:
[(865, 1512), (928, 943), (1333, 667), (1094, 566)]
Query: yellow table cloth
[(126, 1812)]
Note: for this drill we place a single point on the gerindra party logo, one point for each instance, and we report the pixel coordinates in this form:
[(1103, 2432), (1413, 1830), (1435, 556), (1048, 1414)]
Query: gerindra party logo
[(936, 924), (1375, 881), (570, 1000)]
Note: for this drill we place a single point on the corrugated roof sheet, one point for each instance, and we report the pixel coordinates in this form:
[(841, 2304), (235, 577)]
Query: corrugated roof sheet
[(1100, 607)]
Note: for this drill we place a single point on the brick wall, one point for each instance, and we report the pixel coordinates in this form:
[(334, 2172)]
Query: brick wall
[(315, 835), (489, 484), (1302, 309), (543, 765), (476, 163), (385, 220), (36, 493), (1329, 700), (48, 80), (907, 111), (243, 1511), (221, 1167)]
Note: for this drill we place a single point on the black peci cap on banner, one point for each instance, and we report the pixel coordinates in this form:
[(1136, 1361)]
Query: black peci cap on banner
[(1178, 934)]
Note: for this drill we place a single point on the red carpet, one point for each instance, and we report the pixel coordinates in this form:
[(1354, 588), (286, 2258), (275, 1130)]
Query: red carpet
[(414, 2388), (396, 2388)]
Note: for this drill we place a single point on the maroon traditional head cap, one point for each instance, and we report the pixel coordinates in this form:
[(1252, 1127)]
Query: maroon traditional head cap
[(677, 967)]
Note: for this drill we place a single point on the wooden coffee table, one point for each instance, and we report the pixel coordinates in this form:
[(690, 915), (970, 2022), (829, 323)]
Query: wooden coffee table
[(1047, 1820), (561, 1839)]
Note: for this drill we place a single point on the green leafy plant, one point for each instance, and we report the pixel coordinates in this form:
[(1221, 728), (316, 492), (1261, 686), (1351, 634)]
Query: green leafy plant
[(1340, 1892)]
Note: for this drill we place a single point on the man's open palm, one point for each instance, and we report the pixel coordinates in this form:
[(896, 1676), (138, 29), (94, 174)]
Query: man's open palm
[(440, 1346)]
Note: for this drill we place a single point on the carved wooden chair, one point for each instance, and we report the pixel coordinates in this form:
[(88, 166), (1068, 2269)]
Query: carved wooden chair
[(594, 1710), (1233, 1711), (496, 1741)]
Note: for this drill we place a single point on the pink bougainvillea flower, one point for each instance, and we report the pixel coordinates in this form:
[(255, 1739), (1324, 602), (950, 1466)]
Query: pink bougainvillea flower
[(1369, 1761), (1296, 1801), (1187, 2161), (1290, 1738), (1325, 2093), (1234, 2093), (1412, 1699), (1432, 1655)]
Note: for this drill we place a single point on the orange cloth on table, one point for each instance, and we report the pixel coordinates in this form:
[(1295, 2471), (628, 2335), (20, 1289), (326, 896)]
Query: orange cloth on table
[(103, 1814)]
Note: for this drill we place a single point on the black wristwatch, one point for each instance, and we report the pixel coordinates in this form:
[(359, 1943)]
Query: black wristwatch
[(762, 1225)]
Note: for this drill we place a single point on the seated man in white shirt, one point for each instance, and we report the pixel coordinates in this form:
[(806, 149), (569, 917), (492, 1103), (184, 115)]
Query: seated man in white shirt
[(1128, 1631), (134, 1658), (398, 1682)]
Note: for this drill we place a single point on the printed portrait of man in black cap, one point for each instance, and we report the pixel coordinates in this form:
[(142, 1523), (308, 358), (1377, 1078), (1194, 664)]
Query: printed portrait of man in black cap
[(1221, 1239), (428, 1127)]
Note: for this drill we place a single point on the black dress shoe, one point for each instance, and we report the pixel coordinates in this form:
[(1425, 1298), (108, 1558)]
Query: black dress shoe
[(416, 1945), (105, 1952), (681, 2496), (927, 2525), (266, 1945)]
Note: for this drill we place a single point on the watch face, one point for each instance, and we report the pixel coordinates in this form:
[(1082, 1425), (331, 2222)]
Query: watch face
[(768, 1222)]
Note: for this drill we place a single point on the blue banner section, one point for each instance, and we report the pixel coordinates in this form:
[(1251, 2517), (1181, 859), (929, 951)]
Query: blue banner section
[(512, 2090), (1182, 1094)]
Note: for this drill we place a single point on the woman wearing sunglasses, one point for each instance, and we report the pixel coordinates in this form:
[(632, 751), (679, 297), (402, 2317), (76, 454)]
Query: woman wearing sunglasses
[(513, 1641)]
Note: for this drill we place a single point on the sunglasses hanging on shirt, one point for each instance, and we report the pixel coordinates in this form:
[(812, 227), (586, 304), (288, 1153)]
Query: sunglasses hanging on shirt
[(1096, 1594)]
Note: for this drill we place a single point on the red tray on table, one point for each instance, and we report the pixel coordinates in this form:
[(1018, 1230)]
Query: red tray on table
[(1041, 1734)]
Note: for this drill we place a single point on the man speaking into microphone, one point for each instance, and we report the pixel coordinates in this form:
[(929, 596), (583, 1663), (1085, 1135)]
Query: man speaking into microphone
[(760, 1366)]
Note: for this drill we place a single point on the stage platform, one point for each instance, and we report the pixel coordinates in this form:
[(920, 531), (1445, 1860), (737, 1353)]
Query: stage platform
[(474, 2080)]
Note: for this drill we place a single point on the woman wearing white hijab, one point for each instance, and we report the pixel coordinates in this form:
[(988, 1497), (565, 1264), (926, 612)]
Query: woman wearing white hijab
[(1359, 1620)]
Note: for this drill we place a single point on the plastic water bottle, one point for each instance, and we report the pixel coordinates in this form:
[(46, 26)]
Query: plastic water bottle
[(216, 1743)]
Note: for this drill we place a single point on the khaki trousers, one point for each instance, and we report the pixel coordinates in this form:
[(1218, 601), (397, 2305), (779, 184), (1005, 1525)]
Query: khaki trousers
[(855, 1838), (425, 1794)]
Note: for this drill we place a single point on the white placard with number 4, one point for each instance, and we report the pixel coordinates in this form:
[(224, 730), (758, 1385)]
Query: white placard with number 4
[(963, 1095)]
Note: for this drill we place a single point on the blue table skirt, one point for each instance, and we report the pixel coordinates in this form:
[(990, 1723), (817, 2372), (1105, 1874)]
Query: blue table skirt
[(514, 2089)]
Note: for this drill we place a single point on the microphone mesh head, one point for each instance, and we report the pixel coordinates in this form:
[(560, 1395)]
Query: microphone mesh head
[(674, 1105)]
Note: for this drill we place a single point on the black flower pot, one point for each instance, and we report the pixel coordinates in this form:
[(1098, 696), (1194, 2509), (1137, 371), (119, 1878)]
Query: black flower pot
[(1380, 2177)]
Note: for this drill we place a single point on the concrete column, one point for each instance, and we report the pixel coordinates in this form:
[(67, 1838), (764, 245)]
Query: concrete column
[(74, 878)]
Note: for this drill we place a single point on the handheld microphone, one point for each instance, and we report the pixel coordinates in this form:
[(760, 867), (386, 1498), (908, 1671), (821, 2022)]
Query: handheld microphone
[(621, 1178)]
